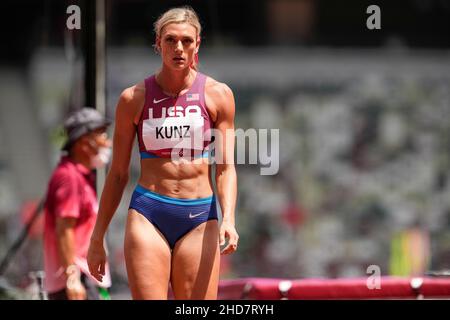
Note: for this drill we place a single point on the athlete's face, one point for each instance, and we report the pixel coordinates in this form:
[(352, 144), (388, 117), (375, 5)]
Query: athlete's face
[(178, 44)]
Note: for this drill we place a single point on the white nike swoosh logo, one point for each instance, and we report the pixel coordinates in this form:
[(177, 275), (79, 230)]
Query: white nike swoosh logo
[(195, 215), (158, 101)]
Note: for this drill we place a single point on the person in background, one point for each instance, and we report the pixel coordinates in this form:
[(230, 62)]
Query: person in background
[(70, 209)]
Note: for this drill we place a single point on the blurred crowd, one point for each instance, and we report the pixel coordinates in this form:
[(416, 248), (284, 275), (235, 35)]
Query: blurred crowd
[(363, 181)]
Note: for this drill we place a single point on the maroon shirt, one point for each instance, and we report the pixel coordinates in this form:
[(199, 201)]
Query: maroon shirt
[(178, 123)]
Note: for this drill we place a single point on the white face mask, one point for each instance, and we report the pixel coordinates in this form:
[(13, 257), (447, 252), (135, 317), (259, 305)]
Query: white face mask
[(102, 158)]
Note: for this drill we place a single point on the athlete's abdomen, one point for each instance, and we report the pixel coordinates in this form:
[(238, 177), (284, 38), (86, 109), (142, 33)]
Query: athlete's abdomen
[(177, 179)]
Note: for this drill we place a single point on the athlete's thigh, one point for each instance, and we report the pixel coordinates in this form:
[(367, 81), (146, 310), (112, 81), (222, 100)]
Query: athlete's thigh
[(195, 263), (147, 257)]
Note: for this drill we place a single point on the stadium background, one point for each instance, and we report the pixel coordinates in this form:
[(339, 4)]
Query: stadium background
[(363, 118)]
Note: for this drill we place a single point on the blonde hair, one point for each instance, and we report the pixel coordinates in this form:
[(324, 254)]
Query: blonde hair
[(183, 14)]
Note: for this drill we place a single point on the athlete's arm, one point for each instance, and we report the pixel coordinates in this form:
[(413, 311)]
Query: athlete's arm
[(226, 179), (130, 103)]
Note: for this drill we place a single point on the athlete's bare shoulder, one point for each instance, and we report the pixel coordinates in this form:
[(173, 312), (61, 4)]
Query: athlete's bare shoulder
[(131, 101), (133, 94), (219, 95), (217, 89)]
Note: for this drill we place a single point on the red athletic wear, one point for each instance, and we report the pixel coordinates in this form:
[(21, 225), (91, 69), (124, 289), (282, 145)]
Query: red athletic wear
[(179, 124)]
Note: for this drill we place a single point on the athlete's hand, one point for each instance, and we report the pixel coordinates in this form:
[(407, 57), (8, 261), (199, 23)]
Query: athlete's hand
[(228, 231), (96, 259)]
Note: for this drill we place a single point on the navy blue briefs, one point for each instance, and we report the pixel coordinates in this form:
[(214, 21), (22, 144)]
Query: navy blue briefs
[(173, 217)]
